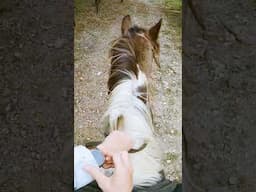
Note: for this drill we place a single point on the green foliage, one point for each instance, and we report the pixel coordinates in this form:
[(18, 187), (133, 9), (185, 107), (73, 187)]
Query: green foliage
[(79, 7), (173, 9), (79, 4), (174, 4), (172, 156)]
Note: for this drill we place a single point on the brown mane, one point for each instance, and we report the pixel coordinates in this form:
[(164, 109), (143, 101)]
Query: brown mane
[(123, 60), (134, 51)]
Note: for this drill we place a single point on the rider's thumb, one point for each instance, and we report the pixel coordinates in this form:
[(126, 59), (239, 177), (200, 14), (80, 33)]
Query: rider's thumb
[(102, 180)]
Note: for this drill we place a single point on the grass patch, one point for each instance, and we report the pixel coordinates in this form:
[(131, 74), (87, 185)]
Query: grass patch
[(174, 5), (173, 9), (172, 156), (80, 7)]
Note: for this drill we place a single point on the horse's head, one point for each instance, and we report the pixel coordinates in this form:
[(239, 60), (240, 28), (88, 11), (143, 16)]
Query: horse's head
[(145, 43)]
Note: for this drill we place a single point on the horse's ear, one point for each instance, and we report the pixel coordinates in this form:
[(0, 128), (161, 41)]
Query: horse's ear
[(126, 24), (154, 31)]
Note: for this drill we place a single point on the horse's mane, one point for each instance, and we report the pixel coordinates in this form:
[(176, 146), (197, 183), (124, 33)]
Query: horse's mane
[(123, 61), (123, 58)]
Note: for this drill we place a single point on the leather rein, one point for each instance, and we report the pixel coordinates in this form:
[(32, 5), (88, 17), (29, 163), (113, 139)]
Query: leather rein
[(94, 144)]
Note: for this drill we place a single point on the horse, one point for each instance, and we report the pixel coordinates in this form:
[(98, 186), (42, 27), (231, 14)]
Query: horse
[(128, 110)]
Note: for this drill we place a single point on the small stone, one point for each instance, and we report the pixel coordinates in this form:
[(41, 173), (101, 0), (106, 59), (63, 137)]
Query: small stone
[(233, 180), (168, 161), (99, 73)]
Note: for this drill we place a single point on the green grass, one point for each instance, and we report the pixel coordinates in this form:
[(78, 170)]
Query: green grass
[(173, 9), (172, 156), (80, 6), (173, 4)]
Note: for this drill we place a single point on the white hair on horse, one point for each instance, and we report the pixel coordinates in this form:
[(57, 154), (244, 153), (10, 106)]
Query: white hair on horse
[(136, 120)]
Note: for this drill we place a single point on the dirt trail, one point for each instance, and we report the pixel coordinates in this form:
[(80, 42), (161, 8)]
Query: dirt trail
[(93, 36)]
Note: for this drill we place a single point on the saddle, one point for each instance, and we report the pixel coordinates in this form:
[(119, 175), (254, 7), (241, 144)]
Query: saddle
[(94, 144)]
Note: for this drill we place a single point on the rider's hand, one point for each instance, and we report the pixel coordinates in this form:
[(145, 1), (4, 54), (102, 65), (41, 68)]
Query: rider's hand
[(117, 141), (121, 180)]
